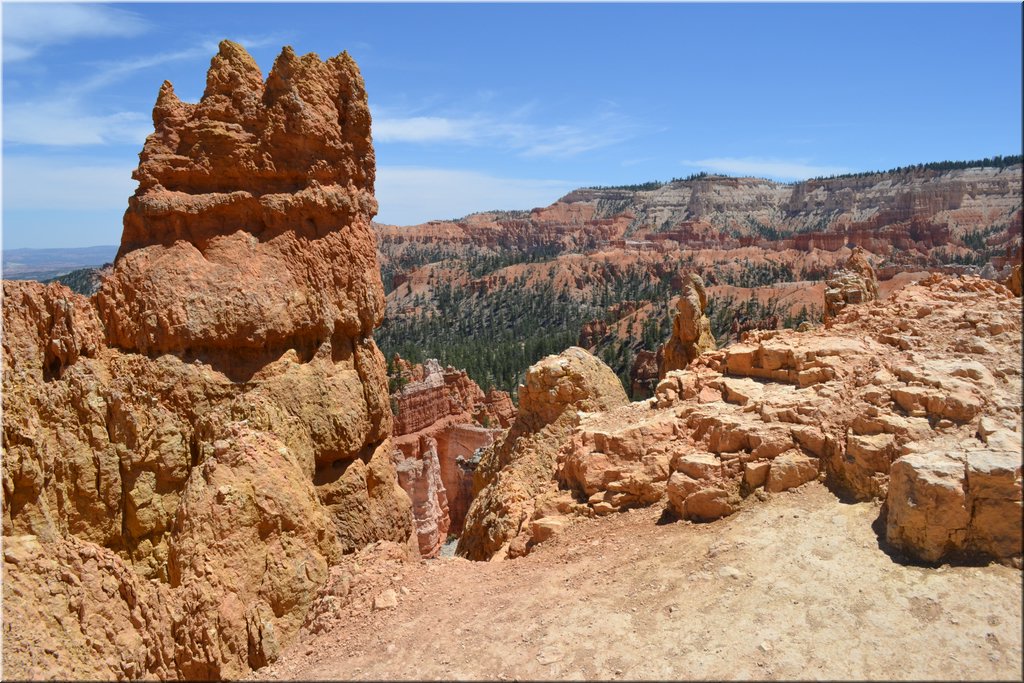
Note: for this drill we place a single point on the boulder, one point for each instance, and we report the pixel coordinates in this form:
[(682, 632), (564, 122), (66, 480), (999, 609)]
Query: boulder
[(789, 470), (927, 508)]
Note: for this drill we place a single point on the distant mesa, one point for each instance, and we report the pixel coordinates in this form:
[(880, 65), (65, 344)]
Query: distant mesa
[(46, 264)]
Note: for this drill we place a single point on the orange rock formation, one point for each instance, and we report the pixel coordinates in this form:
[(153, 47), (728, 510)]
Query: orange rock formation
[(855, 283), (913, 400), (514, 479), (188, 453), (691, 329), (1013, 282)]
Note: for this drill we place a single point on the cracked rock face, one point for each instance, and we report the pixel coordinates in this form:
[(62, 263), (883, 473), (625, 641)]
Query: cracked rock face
[(203, 439)]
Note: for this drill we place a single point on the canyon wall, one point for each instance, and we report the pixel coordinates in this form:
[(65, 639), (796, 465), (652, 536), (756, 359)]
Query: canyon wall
[(442, 418), (496, 291), (187, 453), (902, 215)]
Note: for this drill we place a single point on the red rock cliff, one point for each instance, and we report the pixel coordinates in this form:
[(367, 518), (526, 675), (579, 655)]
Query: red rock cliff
[(441, 418), (187, 454)]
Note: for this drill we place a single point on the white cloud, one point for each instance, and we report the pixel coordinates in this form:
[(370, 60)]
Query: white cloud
[(424, 129), (408, 195), (114, 71), (528, 139), (63, 123), (30, 27), (44, 183), (636, 162), (567, 141), (780, 169)]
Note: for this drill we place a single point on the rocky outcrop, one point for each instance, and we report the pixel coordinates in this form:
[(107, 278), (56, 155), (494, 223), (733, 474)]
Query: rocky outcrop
[(912, 400), (232, 193), (198, 443), (691, 329), (442, 418), (618, 461), (514, 479), (855, 283)]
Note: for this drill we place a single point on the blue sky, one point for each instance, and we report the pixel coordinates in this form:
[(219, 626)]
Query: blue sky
[(485, 106)]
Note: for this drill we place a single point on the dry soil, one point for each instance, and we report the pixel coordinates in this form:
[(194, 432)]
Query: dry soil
[(796, 587)]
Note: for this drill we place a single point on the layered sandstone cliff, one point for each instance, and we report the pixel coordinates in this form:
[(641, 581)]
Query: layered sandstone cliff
[(907, 215), (442, 419), (187, 453)]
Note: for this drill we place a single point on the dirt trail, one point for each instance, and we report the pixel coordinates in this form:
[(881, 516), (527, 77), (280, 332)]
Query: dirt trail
[(794, 587)]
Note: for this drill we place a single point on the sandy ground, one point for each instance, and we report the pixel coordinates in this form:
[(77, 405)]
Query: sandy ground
[(796, 587)]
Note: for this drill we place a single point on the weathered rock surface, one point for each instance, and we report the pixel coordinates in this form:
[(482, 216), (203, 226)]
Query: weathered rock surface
[(241, 197), (855, 283), (958, 500), (442, 418), (877, 405), (514, 480), (188, 452), (691, 329)]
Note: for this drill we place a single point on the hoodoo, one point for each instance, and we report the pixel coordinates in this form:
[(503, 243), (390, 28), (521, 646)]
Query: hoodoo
[(188, 452), (691, 329)]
